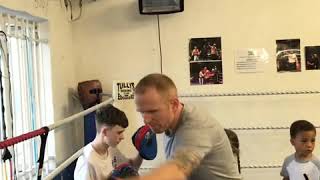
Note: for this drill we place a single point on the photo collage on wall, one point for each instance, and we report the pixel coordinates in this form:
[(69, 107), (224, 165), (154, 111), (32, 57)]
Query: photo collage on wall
[(205, 59)]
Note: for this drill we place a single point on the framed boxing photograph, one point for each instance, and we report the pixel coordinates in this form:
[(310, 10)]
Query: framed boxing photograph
[(312, 55), (288, 55)]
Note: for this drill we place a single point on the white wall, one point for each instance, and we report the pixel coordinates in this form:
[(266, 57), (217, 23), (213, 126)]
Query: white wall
[(241, 24), (112, 41)]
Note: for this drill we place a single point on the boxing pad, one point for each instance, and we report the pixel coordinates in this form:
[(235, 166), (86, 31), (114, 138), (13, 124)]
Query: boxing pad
[(124, 170), (145, 141), (89, 93)]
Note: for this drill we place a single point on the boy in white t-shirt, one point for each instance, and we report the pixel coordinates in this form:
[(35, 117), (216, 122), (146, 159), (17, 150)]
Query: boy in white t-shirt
[(302, 165), (101, 156)]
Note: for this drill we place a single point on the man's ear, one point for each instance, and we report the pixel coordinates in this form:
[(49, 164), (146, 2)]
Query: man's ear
[(175, 103)]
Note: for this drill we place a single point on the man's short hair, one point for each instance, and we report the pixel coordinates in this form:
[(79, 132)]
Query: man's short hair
[(111, 116), (300, 126), (162, 83)]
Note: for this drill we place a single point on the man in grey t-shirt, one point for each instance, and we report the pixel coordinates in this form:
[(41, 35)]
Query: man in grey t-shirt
[(200, 132), (186, 128)]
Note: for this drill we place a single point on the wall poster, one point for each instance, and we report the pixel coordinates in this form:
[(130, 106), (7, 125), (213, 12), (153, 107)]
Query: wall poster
[(288, 55), (312, 55), (251, 60), (205, 59)]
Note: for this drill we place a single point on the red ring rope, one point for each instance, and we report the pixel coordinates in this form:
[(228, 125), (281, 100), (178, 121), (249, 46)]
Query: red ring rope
[(23, 137)]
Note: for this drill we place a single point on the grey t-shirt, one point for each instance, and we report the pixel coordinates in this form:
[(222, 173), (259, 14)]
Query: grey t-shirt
[(203, 134), (297, 170)]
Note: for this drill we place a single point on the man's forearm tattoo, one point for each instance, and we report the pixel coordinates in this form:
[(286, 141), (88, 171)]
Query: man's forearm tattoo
[(186, 160)]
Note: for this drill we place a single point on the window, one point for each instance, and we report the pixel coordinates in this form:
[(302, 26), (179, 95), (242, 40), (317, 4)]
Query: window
[(31, 92)]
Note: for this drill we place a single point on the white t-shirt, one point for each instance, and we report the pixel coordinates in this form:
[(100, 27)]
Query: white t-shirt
[(93, 166), (297, 170)]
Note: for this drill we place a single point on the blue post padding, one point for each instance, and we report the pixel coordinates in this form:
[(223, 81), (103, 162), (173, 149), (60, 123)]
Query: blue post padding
[(89, 127)]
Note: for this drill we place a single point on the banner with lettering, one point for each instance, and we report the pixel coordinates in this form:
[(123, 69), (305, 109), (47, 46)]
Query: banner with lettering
[(123, 90)]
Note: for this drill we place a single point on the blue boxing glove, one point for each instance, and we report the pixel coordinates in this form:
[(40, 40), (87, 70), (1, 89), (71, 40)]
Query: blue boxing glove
[(124, 170), (145, 141)]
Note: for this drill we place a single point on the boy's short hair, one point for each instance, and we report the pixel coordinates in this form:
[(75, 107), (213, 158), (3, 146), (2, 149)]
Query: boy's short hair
[(110, 116), (300, 126)]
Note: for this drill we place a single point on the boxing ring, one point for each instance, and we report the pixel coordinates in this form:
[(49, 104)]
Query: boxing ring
[(45, 130), (246, 130)]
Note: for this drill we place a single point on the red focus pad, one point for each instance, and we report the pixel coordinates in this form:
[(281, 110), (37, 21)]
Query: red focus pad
[(145, 141)]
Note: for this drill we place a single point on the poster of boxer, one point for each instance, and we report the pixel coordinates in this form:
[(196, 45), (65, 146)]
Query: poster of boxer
[(205, 60), (288, 55), (312, 54)]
